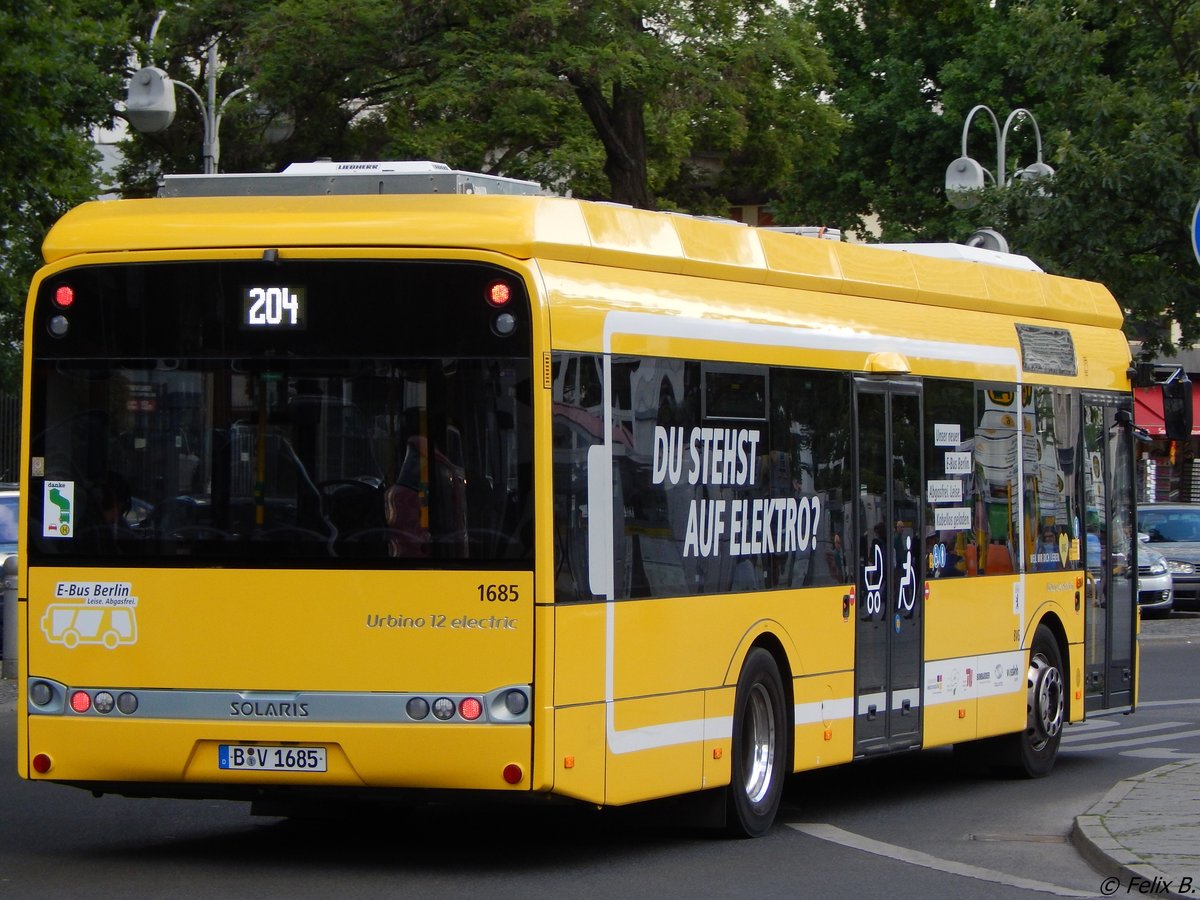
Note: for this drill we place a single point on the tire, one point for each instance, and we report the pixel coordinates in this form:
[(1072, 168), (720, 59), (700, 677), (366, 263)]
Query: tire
[(760, 745), (1032, 752)]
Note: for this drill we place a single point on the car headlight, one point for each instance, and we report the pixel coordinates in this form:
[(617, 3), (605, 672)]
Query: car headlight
[(1179, 567)]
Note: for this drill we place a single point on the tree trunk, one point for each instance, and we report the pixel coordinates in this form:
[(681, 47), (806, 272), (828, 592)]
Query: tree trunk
[(621, 126)]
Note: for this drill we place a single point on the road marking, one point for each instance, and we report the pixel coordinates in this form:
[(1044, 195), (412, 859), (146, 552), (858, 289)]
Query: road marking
[(1071, 737), (854, 841), (1161, 753), (1149, 703), (1113, 745), (1092, 725)]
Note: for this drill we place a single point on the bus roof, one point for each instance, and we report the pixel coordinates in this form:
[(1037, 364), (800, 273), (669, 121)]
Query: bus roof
[(556, 228)]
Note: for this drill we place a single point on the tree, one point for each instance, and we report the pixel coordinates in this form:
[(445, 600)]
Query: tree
[(182, 38), (1113, 88), (607, 99), (1123, 117), (889, 59), (61, 66)]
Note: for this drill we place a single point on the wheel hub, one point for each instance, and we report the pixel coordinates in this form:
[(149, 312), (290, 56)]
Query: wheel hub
[(1045, 700), (759, 742)]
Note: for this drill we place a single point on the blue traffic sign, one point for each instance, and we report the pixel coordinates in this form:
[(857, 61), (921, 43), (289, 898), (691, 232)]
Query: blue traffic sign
[(1196, 232)]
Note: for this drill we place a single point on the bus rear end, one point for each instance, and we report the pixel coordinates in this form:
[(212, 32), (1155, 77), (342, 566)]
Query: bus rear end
[(278, 524)]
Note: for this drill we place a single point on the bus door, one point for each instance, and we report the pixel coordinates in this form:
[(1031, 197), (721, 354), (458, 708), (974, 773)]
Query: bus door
[(889, 589), (1109, 553)]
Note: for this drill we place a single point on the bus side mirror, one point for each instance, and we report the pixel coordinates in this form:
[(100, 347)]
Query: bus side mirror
[(1177, 408)]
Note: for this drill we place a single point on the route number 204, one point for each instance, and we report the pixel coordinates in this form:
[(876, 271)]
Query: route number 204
[(497, 593), (274, 306)]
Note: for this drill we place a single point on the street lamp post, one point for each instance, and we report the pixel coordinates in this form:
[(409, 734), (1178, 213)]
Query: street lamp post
[(965, 177), (212, 112), (150, 105)]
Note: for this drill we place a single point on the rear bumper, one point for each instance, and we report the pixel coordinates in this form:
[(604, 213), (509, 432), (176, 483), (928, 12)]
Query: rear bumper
[(181, 757)]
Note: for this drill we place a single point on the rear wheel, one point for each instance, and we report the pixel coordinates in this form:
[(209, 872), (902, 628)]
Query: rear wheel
[(760, 743)]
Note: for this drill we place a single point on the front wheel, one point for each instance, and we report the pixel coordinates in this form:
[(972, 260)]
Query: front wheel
[(760, 743), (1032, 752)]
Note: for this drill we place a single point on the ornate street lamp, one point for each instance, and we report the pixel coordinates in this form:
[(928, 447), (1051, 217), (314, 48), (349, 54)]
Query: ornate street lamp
[(965, 177), (150, 105)]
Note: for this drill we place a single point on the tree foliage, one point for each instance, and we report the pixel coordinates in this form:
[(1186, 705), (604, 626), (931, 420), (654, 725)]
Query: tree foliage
[(611, 99), (840, 112), (61, 63), (1114, 89), (1119, 84)]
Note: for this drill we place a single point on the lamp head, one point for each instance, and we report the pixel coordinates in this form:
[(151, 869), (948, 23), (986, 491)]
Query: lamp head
[(964, 179), (150, 103)]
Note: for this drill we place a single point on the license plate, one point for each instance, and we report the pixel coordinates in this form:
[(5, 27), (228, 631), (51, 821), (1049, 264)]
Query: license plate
[(271, 759)]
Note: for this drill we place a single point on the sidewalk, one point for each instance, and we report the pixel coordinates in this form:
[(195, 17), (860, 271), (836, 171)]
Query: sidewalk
[(1146, 831), (1148, 827)]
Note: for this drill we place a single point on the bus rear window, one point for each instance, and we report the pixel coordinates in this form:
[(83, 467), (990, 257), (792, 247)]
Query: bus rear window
[(278, 456)]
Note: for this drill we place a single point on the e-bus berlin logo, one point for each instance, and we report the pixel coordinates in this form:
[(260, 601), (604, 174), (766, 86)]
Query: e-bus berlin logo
[(102, 612), (58, 508)]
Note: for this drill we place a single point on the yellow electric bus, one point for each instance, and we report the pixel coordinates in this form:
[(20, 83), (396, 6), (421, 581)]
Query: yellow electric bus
[(384, 479)]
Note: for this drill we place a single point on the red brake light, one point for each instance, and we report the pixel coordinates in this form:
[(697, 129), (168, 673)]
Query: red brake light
[(64, 296), (499, 293), (81, 702), (470, 709)]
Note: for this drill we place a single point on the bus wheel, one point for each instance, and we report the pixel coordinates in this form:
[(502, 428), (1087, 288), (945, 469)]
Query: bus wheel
[(759, 747), (1034, 750)]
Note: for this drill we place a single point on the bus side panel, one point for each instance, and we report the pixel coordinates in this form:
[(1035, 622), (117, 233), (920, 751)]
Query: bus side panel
[(718, 743), (824, 714), (579, 757), (970, 616), (654, 747), (965, 619), (664, 736), (579, 663), (975, 669)]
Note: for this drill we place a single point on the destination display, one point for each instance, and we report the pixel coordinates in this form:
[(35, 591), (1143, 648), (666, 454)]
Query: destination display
[(274, 307)]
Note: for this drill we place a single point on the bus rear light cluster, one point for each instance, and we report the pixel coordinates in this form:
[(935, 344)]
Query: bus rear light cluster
[(63, 299), (509, 705), (43, 695), (443, 708), (498, 295), (506, 705)]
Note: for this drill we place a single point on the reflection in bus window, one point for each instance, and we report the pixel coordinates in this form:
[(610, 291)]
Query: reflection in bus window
[(352, 459), (726, 478), (1051, 465)]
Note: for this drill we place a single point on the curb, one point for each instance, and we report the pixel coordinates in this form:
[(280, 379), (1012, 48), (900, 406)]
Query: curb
[(1107, 853)]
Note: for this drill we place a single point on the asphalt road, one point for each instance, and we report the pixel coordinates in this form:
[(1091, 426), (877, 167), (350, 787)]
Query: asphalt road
[(906, 827)]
